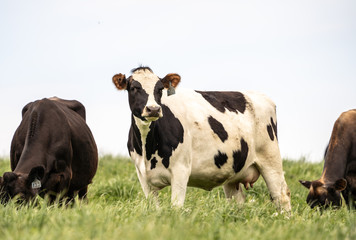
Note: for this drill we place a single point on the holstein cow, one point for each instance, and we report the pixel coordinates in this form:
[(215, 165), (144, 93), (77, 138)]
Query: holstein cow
[(201, 139), (52, 151), (339, 174)]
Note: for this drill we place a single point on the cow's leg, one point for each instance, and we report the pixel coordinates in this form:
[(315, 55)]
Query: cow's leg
[(147, 190), (143, 182), (271, 169), (68, 198), (234, 191), (179, 182), (82, 194)]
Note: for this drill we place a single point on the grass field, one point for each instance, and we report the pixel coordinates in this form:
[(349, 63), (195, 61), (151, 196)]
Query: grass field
[(117, 209)]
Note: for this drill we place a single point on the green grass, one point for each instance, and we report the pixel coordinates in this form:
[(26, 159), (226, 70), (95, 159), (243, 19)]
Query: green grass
[(117, 209)]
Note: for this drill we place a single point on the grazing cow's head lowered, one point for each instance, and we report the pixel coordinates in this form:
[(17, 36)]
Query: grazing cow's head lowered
[(324, 195), (145, 91), (24, 186)]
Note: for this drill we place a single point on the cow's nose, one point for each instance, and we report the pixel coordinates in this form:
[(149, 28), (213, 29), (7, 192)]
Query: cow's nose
[(153, 111)]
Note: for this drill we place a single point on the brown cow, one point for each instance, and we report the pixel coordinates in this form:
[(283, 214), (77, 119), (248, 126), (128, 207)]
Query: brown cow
[(339, 174), (52, 151)]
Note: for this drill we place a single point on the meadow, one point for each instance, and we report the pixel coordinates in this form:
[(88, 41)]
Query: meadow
[(117, 209)]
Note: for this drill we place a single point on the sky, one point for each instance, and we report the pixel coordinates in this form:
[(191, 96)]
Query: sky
[(302, 54)]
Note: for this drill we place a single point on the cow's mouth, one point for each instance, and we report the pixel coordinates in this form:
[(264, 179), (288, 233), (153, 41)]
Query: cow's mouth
[(151, 118)]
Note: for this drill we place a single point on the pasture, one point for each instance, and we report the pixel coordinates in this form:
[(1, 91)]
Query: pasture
[(117, 209)]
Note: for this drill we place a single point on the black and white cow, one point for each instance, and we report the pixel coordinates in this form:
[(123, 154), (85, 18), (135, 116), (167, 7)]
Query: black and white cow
[(201, 139)]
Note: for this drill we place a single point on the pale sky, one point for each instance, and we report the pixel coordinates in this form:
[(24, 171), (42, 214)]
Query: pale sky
[(302, 54)]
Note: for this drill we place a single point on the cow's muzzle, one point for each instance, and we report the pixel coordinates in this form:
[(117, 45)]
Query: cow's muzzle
[(152, 112)]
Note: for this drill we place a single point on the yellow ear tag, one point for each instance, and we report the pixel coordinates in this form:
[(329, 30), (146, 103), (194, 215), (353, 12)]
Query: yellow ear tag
[(171, 90)]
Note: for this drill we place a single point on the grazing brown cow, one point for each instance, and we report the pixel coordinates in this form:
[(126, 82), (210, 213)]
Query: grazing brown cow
[(339, 174), (52, 151)]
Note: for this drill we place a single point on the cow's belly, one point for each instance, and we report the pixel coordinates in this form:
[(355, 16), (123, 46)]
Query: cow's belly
[(210, 178)]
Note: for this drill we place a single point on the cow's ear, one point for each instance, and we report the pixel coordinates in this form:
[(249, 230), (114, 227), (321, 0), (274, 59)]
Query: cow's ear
[(172, 78), (306, 184), (36, 173), (9, 177), (340, 184), (120, 81)]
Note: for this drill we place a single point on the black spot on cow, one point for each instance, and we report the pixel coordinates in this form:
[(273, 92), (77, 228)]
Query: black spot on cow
[(137, 98), (270, 132), (164, 136), (274, 126), (220, 159), (158, 92), (240, 156), (153, 163), (134, 142), (218, 128), (232, 101)]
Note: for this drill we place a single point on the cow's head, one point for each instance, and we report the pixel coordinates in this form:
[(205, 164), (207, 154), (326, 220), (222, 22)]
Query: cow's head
[(324, 195), (22, 186), (145, 91)]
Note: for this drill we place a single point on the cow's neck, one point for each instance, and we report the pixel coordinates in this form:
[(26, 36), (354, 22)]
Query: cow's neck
[(334, 168), (146, 128)]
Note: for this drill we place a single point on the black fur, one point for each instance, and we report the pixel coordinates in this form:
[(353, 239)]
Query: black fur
[(218, 128), (164, 136), (240, 156), (220, 159), (232, 101)]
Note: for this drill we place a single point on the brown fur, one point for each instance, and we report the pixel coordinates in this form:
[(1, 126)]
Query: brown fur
[(339, 174), (119, 81), (171, 77)]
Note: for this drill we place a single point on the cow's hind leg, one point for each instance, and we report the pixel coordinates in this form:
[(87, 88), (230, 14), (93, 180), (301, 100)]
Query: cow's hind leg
[(234, 191)]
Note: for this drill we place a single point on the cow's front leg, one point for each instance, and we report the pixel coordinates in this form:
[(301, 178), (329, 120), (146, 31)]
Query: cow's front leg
[(277, 186), (147, 190), (179, 181)]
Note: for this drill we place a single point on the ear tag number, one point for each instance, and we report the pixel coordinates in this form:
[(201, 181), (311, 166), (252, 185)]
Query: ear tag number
[(171, 90), (36, 184)]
